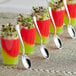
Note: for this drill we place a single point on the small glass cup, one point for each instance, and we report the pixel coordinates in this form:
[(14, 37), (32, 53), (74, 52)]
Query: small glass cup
[(72, 10), (44, 26), (28, 36), (10, 50), (59, 20)]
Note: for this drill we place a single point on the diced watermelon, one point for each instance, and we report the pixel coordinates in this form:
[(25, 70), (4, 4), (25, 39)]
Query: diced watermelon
[(44, 26), (28, 35), (11, 47)]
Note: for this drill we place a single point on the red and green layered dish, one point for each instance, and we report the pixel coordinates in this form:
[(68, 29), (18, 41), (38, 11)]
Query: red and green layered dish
[(27, 33), (58, 12), (71, 4), (10, 44), (43, 22)]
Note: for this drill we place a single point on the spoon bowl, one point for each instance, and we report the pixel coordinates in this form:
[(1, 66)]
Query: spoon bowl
[(71, 32), (57, 42), (25, 60), (44, 52)]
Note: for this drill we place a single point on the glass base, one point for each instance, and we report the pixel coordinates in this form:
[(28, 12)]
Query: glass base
[(28, 48), (38, 41), (73, 21), (8, 60), (58, 30)]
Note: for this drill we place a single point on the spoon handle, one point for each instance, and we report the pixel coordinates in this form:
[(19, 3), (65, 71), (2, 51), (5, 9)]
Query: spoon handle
[(50, 13), (34, 19), (19, 35), (65, 4)]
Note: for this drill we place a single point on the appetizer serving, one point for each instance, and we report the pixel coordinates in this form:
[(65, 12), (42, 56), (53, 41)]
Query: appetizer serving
[(27, 30), (58, 12), (43, 21), (10, 44), (71, 4)]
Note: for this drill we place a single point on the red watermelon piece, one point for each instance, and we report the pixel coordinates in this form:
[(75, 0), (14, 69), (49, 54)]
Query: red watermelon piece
[(44, 26), (11, 47), (28, 35), (58, 17), (72, 10)]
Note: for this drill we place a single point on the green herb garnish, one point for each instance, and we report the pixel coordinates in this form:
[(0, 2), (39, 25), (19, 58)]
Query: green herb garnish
[(56, 4), (25, 22), (8, 30), (41, 13)]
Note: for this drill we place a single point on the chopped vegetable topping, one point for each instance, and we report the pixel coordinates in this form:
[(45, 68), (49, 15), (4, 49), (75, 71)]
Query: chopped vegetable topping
[(8, 31), (25, 22), (56, 4), (71, 1), (41, 13)]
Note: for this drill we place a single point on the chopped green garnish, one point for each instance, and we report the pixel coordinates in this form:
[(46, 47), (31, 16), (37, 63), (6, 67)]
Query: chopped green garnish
[(25, 22), (56, 4), (8, 30), (71, 1), (41, 13)]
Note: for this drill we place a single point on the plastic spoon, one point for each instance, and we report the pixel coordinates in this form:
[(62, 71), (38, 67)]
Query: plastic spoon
[(43, 50), (25, 60), (57, 40), (71, 30)]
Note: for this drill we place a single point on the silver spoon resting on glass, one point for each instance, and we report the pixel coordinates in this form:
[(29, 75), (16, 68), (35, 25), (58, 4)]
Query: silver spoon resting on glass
[(25, 60), (57, 40), (43, 50)]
